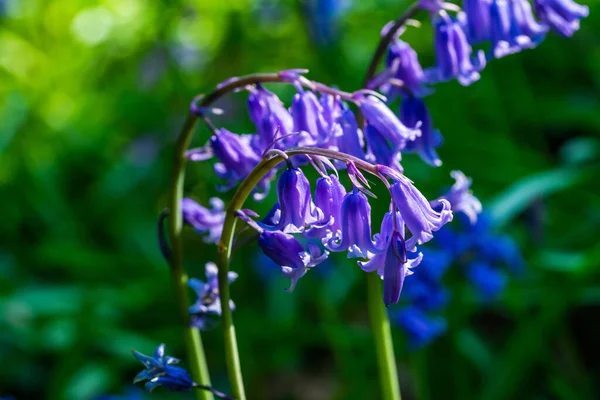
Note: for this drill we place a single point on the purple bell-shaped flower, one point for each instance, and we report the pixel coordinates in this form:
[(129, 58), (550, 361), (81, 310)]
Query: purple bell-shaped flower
[(329, 194), (453, 53), (308, 116), (355, 233), (297, 209), (402, 63), (415, 210), (269, 116), (561, 15), (203, 219), (380, 151), (378, 114), (477, 20), (392, 262), (413, 112), (461, 198)]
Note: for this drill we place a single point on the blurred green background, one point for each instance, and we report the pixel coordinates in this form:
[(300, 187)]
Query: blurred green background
[(92, 95)]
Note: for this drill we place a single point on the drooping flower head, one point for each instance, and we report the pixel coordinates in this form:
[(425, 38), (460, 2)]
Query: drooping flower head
[(308, 116), (378, 115), (412, 113), (208, 302), (513, 27), (391, 262), (205, 220), (329, 194), (160, 371), (402, 63), (237, 158), (350, 139), (269, 116), (561, 15), (453, 53), (297, 209), (355, 233), (415, 210), (477, 20), (380, 151)]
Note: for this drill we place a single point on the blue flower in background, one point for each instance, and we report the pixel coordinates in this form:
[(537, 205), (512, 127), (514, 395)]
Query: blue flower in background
[(322, 17), (420, 328), (208, 303), (160, 371), (489, 282)]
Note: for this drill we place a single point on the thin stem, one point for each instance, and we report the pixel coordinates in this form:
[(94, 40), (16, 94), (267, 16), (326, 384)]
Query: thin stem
[(193, 341), (384, 346), (386, 40)]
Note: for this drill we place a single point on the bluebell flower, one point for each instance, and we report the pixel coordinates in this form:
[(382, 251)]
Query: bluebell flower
[(561, 15), (208, 302), (237, 158), (392, 262), (461, 197), (204, 220), (453, 53), (355, 233), (513, 27), (308, 116), (477, 20), (402, 63), (160, 371), (420, 328), (415, 210), (488, 281), (297, 209), (378, 115), (380, 151), (329, 194), (413, 112), (350, 139), (269, 116)]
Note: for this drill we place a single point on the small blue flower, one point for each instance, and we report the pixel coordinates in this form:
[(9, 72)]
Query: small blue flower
[(208, 303), (329, 194), (355, 234), (424, 289), (160, 372), (453, 53), (308, 116), (488, 281), (205, 220), (350, 139), (561, 15), (461, 198), (413, 112), (419, 327)]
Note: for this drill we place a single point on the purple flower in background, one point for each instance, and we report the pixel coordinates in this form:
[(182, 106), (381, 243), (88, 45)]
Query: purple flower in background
[(355, 234), (513, 27), (160, 371), (461, 198), (402, 63), (378, 115), (412, 113), (237, 158), (453, 53), (488, 281), (561, 15), (269, 116), (208, 303), (295, 201), (290, 254), (416, 211), (392, 263), (420, 328), (477, 20), (380, 151), (203, 219)]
